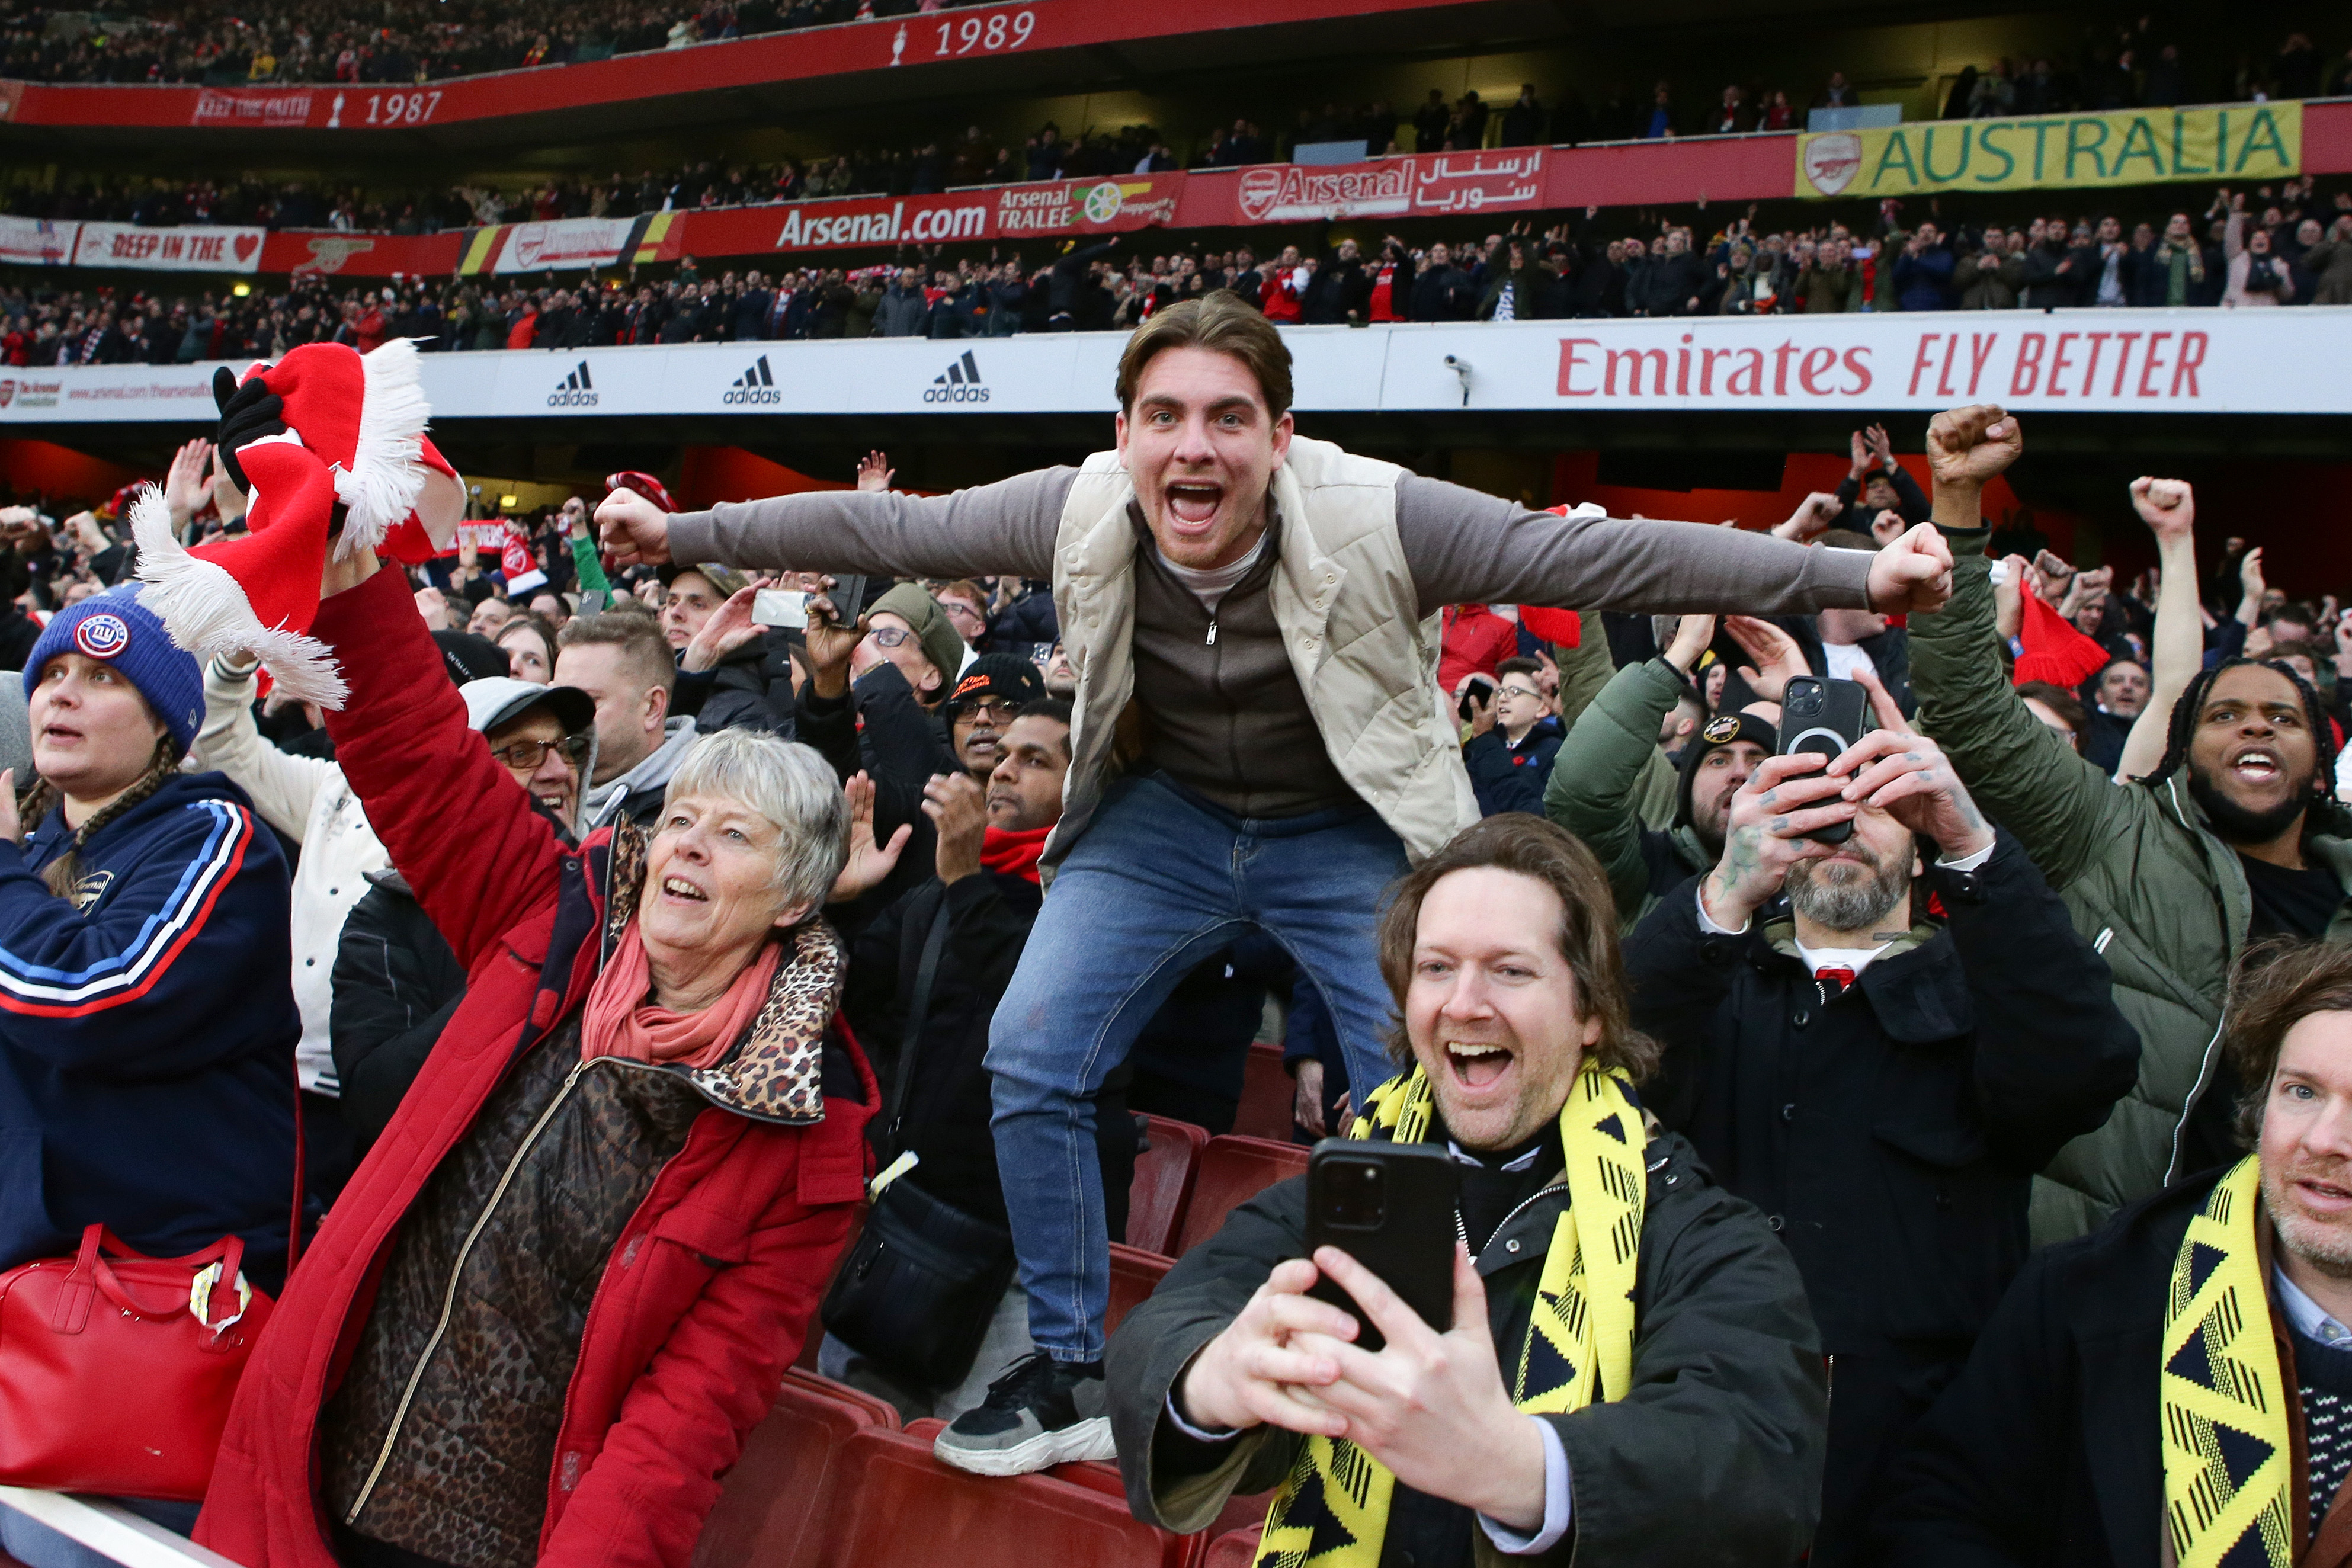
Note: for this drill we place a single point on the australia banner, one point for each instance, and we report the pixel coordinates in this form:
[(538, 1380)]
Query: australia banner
[(2238, 141)]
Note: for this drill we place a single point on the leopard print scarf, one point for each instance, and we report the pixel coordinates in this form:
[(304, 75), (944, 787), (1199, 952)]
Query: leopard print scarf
[(776, 1072)]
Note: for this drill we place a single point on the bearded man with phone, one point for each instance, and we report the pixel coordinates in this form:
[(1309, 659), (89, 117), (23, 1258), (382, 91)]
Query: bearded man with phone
[(1881, 1085), (1631, 1371)]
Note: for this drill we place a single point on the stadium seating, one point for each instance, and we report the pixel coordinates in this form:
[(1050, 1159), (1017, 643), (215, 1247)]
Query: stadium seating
[(1234, 1548), (1163, 1182), (903, 1508), (1268, 1095), (775, 1504), (1233, 1170), (1134, 1274)]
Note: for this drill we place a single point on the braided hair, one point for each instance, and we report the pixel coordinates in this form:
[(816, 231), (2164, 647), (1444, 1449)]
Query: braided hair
[(33, 804), (2183, 727)]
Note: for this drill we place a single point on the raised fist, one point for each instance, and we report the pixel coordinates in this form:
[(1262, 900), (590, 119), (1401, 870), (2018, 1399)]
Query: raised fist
[(1968, 446)]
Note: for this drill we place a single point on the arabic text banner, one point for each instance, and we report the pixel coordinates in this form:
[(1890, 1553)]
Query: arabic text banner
[(2243, 142)]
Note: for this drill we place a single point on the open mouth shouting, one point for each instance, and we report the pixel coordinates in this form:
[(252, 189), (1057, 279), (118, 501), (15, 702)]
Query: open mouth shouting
[(1477, 1064), (1193, 504), (2257, 766), (678, 889)]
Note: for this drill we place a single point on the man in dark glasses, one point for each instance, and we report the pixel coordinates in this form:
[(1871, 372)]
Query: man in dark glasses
[(985, 703), (544, 735)]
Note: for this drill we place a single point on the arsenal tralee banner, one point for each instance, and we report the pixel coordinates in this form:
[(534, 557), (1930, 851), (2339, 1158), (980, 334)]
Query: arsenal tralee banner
[(2108, 362)]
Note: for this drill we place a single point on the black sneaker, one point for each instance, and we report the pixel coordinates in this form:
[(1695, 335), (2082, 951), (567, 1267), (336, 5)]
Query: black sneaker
[(1042, 1412)]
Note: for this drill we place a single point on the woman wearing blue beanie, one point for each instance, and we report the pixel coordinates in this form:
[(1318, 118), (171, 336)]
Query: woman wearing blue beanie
[(147, 1021)]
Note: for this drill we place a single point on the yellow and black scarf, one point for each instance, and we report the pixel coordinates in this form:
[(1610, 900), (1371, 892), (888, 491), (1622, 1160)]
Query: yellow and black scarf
[(1333, 1511), (2228, 1452)]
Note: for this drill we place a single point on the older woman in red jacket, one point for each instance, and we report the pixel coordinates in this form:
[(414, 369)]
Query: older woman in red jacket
[(567, 1280)]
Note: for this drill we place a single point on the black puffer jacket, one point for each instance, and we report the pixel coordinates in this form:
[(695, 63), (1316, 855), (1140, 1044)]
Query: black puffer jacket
[(396, 983)]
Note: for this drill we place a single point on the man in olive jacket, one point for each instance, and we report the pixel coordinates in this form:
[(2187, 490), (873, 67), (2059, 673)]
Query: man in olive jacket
[(1502, 953), (2157, 872)]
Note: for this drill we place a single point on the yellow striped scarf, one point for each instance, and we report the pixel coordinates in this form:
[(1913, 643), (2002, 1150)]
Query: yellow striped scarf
[(2228, 1454), (1333, 1511)]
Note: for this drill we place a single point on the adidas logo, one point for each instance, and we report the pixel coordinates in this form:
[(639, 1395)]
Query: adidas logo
[(575, 390), (756, 385), (959, 384)]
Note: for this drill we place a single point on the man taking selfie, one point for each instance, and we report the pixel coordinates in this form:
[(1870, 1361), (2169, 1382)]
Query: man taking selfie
[(1631, 1368)]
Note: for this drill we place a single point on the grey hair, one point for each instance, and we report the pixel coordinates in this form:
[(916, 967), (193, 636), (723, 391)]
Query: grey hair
[(791, 786)]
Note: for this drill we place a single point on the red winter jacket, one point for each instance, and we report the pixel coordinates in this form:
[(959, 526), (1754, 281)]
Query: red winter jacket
[(713, 1281), (1474, 639)]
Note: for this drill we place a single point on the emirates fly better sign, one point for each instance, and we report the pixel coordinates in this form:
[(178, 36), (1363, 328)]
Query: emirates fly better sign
[(2108, 362)]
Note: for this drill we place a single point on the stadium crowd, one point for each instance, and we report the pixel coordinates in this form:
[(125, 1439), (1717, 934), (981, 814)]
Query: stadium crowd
[(2269, 246), (1829, 919)]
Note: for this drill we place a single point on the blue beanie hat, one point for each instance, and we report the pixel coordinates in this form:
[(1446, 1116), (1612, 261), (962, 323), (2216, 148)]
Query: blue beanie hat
[(115, 627)]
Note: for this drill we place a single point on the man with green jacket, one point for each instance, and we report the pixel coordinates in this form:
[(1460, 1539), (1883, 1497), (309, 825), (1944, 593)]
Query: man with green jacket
[(1611, 770), (2232, 837)]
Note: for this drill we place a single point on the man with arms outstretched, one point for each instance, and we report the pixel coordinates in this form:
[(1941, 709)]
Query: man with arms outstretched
[(1260, 738)]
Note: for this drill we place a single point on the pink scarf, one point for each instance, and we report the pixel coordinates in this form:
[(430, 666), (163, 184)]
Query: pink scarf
[(620, 1022)]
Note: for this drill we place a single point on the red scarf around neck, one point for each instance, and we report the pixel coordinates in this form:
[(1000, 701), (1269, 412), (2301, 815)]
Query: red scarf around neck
[(1013, 853)]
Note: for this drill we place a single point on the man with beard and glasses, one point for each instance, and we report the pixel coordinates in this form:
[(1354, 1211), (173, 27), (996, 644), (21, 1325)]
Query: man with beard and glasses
[(1262, 610), (2173, 1388), (1601, 781), (1882, 1088), (2233, 835)]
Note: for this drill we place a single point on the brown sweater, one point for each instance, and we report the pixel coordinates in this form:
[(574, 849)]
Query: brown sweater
[(1227, 718)]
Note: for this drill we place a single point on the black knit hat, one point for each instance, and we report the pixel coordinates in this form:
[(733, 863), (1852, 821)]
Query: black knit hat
[(1001, 675), (1720, 731)]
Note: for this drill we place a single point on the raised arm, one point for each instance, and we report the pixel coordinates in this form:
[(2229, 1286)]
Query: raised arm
[(2022, 774), (419, 768), (1599, 766), (282, 787), (1004, 530), (1467, 546), (2177, 648)]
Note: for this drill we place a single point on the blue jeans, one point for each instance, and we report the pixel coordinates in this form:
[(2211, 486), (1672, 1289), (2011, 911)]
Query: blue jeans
[(1160, 881)]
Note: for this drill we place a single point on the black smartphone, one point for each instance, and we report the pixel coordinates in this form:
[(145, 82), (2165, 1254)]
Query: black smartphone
[(1480, 687), (853, 594), (1390, 1207), (1825, 718)]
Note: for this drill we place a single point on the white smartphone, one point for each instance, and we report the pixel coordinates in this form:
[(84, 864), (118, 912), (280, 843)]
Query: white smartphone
[(780, 607)]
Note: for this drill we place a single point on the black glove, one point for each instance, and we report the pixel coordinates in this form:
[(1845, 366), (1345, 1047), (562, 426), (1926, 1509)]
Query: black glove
[(248, 413)]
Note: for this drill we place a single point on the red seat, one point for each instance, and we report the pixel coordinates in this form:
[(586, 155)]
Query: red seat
[(1134, 1275), (1233, 1171), (772, 1506), (1268, 1095), (903, 1508), (1234, 1548), (1163, 1181)]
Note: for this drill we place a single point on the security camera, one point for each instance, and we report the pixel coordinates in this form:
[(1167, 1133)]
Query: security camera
[(1461, 369), (1453, 364)]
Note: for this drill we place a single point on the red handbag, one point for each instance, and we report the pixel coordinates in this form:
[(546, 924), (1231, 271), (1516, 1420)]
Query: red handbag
[(117, 1369)]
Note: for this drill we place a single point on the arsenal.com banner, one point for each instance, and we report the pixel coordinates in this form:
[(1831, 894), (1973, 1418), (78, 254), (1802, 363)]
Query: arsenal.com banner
[(2109, 361)]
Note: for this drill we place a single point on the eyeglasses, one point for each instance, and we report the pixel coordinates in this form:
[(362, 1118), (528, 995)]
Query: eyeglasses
[(1520, 692), (525, 756), (890, 636), (1004, 710)]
